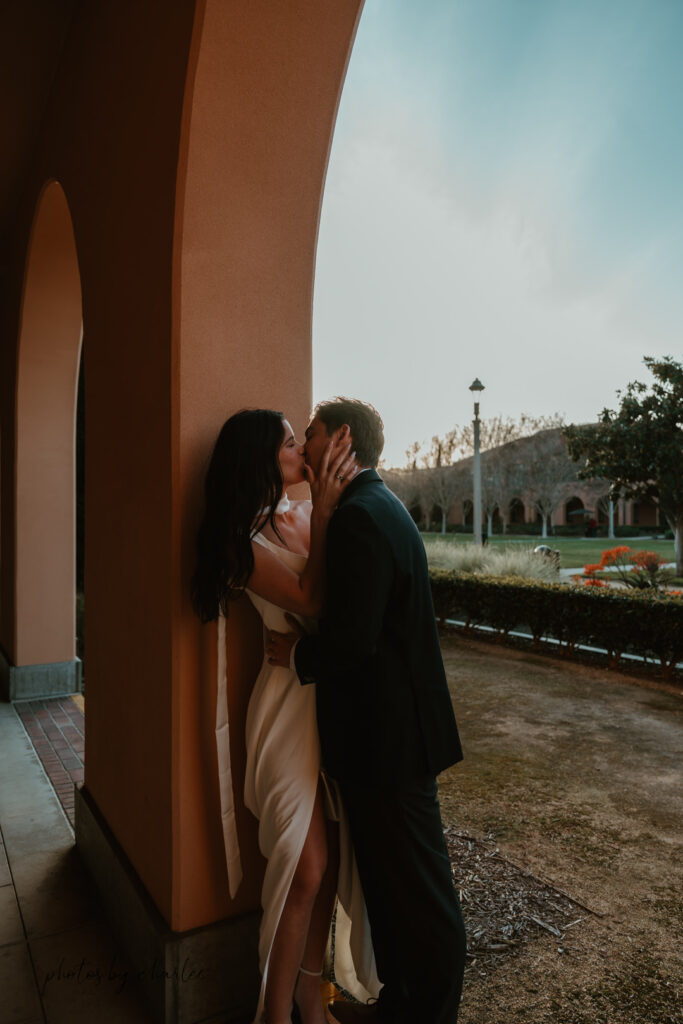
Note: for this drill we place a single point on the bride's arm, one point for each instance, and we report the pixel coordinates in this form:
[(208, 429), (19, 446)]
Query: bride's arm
[(303, 593)]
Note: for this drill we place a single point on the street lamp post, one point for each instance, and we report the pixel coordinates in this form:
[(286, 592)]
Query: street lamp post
[(475, 388)]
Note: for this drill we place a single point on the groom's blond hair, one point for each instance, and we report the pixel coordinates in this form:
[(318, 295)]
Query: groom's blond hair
[(365, 424)]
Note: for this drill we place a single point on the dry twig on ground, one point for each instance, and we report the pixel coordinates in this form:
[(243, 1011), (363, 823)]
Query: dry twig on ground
[(503, 904)]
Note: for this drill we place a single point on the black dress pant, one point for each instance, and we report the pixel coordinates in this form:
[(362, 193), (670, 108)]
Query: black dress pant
[(417, 929)]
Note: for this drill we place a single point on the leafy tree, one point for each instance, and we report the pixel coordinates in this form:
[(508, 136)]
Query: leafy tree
[(639, 447)]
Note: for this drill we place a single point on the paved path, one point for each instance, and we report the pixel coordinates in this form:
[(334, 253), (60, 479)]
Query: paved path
[(59, 963)]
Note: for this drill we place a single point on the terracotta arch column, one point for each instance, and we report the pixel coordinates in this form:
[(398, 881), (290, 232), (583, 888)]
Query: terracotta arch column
[(263, 85), (258, 129), (42, 654)]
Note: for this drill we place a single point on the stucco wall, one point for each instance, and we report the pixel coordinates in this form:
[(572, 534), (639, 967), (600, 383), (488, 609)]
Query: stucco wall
[(191, 141)]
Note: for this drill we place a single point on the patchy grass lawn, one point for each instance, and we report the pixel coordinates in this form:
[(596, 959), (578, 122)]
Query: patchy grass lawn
[(574, 774)]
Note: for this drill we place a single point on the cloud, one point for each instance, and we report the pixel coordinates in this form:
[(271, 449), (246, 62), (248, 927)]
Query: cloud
[(417, 292), (479, 222)]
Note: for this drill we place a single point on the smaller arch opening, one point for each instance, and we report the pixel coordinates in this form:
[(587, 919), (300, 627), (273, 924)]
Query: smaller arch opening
[(516, 512), (49, 350)]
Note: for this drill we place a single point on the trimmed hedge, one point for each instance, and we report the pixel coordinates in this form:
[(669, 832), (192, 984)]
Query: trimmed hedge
[(621, 622)]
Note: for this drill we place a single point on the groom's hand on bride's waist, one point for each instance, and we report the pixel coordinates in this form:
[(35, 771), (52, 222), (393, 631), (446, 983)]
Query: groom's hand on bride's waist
[(279, 645)]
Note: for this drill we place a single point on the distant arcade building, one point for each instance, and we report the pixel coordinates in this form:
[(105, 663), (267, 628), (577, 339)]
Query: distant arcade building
[(521, 511)]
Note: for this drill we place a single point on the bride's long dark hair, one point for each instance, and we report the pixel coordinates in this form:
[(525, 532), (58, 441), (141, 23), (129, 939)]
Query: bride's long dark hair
[(243, 478)]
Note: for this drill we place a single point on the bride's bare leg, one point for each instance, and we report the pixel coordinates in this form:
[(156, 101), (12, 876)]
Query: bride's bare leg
[(290, 939), (308, 986)]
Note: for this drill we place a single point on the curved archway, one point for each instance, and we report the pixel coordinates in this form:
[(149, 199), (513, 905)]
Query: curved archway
[(517, 512), (574, 510), (50, 338)]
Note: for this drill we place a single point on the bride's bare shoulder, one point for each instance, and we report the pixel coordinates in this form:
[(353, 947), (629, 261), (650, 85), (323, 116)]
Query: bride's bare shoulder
[(302, 506)]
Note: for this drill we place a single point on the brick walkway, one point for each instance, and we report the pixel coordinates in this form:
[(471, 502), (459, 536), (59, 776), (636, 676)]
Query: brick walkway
[(56, 728)]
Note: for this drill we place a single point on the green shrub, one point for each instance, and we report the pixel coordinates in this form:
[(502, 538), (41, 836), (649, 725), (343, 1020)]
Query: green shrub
[(650, 625), (639, 531)]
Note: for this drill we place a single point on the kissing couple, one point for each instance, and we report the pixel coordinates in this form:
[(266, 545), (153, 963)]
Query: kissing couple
[(348, 725)]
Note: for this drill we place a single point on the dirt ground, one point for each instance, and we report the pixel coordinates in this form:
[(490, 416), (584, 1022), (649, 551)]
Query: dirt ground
[(573, 773)]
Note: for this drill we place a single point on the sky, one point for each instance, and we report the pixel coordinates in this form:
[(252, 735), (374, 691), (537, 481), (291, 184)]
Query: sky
[(503, 201)]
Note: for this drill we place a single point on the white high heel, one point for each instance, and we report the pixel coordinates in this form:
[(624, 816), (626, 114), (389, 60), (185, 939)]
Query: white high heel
[(297, 1012)]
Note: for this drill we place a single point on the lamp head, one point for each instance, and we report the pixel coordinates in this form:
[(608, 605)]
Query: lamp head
[(476, 385)]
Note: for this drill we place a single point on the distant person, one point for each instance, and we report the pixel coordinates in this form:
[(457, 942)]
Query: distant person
[(386, 727)]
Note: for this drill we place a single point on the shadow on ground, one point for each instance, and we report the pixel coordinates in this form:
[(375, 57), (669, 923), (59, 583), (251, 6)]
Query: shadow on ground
[(567, 809)]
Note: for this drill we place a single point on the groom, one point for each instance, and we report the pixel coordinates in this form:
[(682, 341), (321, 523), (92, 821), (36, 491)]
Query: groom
[(386, 728)]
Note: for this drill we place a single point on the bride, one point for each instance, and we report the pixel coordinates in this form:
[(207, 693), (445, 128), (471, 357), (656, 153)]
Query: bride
[(253, 538)]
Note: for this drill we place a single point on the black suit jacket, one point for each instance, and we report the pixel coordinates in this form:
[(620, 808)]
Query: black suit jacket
[(384, 712)]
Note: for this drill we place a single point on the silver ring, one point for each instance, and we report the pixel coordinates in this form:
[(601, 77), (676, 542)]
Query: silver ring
[(339, 476)]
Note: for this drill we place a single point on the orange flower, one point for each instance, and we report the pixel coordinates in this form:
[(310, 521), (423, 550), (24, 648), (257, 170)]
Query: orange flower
[(648, 560), (614, 555), (594, 583), (590, 570)]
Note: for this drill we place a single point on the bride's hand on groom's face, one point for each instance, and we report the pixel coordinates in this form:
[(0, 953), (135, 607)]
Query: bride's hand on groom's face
[(279, 645), (338, 467)]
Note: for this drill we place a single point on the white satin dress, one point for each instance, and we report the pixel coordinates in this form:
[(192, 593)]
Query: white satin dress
[(282, 775)]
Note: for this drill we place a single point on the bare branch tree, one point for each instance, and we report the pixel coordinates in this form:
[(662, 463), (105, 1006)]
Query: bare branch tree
[(498, 431), (445, 476), (406, 485), (442, 481), (412, 454), (550, 474), (410, 485), (502, 480)]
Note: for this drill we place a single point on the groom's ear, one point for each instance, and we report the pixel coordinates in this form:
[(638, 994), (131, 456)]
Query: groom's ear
[(343, 433)]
